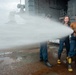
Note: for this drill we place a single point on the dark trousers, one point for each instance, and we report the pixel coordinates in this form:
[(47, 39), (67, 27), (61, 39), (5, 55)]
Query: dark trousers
[(43, 52), (67, 46), (72, 51)]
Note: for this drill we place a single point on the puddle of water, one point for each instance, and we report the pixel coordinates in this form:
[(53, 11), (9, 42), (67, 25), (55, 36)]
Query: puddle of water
[(55, 55), (8, 60), (52, 73), (18, 59), (53, 47), (5, 53)]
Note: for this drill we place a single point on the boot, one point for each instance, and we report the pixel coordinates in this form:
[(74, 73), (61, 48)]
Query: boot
[(70, 65), (58, 61)]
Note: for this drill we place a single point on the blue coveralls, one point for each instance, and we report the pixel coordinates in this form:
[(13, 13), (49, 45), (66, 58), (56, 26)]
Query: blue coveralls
[(43, 52), (72, 51), (67, 45)]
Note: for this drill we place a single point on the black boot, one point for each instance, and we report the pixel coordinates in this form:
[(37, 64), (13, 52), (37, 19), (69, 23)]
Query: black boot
[(47, 64)]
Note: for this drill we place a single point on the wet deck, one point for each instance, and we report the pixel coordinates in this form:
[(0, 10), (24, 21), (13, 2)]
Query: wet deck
[(26, 62)]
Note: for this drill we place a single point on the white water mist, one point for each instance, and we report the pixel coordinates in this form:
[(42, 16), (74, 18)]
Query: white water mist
[(30, 30)]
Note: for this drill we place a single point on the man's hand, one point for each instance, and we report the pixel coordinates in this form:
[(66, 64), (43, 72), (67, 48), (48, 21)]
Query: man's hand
[(75, 34), (75, 30)]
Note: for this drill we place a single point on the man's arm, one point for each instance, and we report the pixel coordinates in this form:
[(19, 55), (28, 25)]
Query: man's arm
[(74, 29)]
